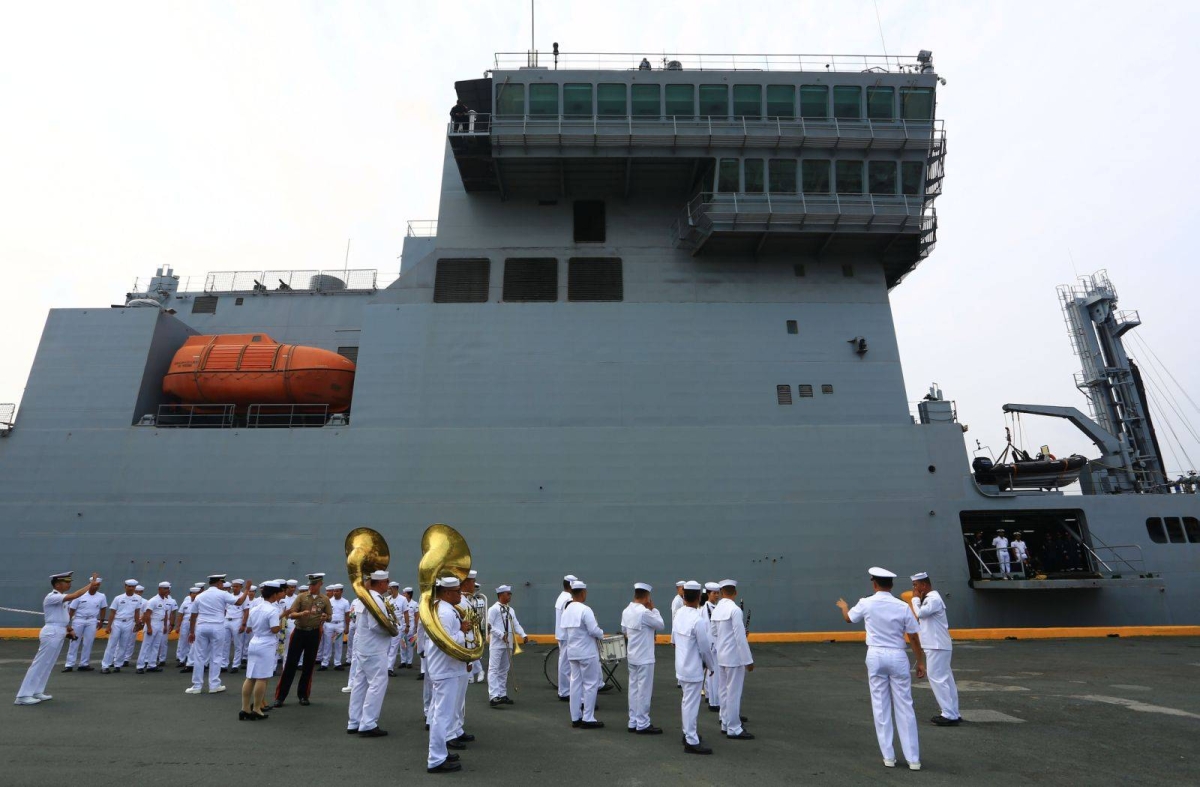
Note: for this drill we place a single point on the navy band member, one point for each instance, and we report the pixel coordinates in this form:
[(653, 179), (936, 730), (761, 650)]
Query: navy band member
[(930, 610), (640, 621), (582, 637), (51, 638), (443, 675), (693, 660), (733, 659), (504, 630), (370, 671)]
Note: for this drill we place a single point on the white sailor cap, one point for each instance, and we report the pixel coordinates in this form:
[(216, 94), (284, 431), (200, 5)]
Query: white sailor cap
[(99, 580), (130, 583), (273, 584), (239, 581), (919, 575), (728, 583), (570, 578), (378, 575), (406, 590), (393, 584), (880, 573), (472, 574), (680, 583), (339, 586), (710, 586), (226, 586), (162, 585), (194, 589), (448, 582), (504, 589), (292, 583), (211, 578), (692, 584), (315, 578), (577, 585), (642, 586), (253, 588), (140, 588)]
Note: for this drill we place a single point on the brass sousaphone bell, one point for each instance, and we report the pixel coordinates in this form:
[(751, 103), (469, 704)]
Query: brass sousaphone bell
[(444, 553), (366, 552)]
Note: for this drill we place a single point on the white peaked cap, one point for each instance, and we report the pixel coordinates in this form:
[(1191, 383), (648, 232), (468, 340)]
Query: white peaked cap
[(378, 575), (472, 574), (680, 583), (692, 585), (239, 581), (570, 578), (292, 583), (642, 586), (61, 575), (504, 589), (711, 586), (919, 575), (880, 573), (406, 590), (211, 577), (728, 583), (577, 585), (166, 585), (140, 588), (448, 582), (130, 582)]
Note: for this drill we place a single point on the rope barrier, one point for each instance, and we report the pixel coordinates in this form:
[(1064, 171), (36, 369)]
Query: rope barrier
[(22, 611)]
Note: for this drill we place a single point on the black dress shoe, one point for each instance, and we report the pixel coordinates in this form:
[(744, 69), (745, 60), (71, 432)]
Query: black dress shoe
[(496, 703), (744, 719), (116, 669), (104, 670), (141, 671), (741, 736), (391, 673), (714, 708), (278, 704), (339, 668), (579, 723), (87, 669), (447, 766), (942, 721), (304, 700), (631, 729), (422, 677), (456, 745), (452, 757), (321, 668), (70, 669), (507, 701), (466, 737), (374, 732), (352, 731), (592, 725), (243, 716), (651, 730), (233, 671), (186, 669), (699, 748), (564, 699), (426, 728)]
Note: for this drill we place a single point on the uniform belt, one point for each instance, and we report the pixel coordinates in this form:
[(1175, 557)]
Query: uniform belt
[(883, 647)]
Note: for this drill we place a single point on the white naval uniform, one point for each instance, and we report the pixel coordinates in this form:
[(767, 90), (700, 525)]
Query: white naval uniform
[(564, 665), (182, 646), (400, 603), (639, 625), (89, 611), (733, 656), (582, 636), (473, 670), (1002, 553), (424, 646), (888, 619), (370, 678), (693, 660), (127, 654), (938, 647), (260, 652), (712, 681), (50, 642), (407, 645), (232, 638), (676, 604), (357, 610), (124, 609), (172, 608), (1020, 552), (210, 608), (331, 634), (503, 631), (443, 674), (155, 632)]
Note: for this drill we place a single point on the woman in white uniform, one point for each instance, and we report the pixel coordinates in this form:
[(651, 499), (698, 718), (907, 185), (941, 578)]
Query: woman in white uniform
[(263, 627)]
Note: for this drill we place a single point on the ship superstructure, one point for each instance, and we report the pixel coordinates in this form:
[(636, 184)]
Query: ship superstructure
[(648, 337)]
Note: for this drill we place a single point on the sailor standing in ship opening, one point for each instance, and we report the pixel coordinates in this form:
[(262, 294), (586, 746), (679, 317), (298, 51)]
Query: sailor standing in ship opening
[(50, 640), (640, 622), (156, 620), (582, 636), (564, 664), (712, 686), (122, 617), (693, 661), (309, 613), (442, 675), (888, 620), (371, 643), (86, 613), (733, 660), (460, 116), (930, 610), (1020, 552), (503, 632), (208, 634), (1002, 553)]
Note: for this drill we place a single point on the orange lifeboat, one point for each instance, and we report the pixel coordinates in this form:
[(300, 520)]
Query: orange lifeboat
[(252, 368)]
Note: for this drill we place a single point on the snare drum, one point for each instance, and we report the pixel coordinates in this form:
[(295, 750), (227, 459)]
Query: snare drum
[(613, 648)]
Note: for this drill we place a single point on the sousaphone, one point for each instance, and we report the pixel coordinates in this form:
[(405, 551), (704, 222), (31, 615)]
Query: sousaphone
[(444, 553), (366, 552)]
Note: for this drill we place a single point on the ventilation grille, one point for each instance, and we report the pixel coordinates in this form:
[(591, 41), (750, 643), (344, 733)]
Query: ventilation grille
[(205, 304), (349, 352), (531, 279), (595, 279), (793, 326), (783, 394), (806, 391), (462, 281), (826, 388)]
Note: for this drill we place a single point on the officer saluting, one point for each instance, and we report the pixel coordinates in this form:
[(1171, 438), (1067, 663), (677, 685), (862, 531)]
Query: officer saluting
[(930, 610), (50, 640), (887, 620)]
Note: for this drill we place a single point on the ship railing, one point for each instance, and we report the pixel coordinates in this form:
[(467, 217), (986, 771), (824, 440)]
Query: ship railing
[(672, 131), (791, 211), (690, 61), (196, 416), (8, 418), (286, 416), (282, 281), (1115, 560), (988, 570), (422, 228)]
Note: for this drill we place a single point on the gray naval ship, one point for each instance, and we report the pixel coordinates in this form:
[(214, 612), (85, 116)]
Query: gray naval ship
[(648, 337)]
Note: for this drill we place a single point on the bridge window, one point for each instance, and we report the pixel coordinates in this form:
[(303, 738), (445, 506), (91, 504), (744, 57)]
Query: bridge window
[(645, 100), (727, 176), (1154, 528), (847, 102), (461, 281), (782, 175), (1174, 529), (881, 103), (510, 99), (610, 99), (595, 279), (781, 101), (589, 221), (814, 101), (815, 174), (1192, 526), (577, 100), (911, 174), (747, 101), (881, 175), (543, 100), (753, 175), (849, 177), (714, 101), (681, 101), (916, 103)]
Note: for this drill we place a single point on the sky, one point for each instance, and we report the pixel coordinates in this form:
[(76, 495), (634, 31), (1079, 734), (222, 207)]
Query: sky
[(253, 135)]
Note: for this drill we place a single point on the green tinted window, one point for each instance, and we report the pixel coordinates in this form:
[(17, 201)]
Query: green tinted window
[(849, 177), (916, 103), (610, 100), (783, 175), (681, 101), (510, 100), (847, 102), (781, 101), (814, 101), (911, 174), (543, 100), (754, 175), (816, 176), (645, 100), (881, 103), (747, 101), (881, 177), (577, 100), (714, 100), (727, 175)]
